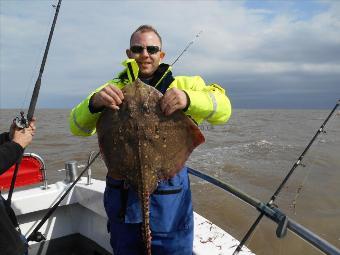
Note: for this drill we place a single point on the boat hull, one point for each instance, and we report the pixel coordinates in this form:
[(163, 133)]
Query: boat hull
[(81, 216)]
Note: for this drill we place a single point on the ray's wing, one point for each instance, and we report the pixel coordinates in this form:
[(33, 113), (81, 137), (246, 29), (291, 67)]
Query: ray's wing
[(118, 145), (179, 136), (140, 140)]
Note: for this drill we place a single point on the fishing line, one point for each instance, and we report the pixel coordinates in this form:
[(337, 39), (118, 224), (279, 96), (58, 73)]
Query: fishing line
[(293, 204), (38, 57), (24, 121), (187, 47), (282, 184), (299, 190), (273, 213)]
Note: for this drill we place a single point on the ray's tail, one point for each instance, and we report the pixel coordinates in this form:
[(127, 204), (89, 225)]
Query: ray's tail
[(146, 232)]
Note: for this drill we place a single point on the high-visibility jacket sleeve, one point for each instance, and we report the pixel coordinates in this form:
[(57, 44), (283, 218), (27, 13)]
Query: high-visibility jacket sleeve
[(82, 121), (208, 103)]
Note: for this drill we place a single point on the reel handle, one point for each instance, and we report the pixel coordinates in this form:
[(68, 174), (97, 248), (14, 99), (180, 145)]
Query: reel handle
[(21, 121)]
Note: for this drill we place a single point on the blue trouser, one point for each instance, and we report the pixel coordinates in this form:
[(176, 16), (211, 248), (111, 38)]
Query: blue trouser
[(24, 240), (171, 217)]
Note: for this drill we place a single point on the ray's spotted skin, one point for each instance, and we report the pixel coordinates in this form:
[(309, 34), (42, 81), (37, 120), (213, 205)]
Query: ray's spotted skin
[(141, 145)]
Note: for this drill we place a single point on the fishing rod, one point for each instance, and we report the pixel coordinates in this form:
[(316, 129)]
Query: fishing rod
[(22, 121), (38, 236), (278, 190), (183, 51), (273, 213), (187, 47)]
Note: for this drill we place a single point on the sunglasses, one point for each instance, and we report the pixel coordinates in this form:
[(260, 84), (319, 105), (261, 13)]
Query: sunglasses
[(137, 49)]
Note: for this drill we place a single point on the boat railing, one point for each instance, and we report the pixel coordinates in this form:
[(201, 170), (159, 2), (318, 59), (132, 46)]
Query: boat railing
[(272, 212), (42, 167), (32, 170)]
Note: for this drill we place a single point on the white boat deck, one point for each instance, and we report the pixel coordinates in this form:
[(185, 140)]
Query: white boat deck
[(82, 212)]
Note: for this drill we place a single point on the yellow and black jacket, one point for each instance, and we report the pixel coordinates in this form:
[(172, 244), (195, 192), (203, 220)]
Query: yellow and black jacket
[(208, 103)]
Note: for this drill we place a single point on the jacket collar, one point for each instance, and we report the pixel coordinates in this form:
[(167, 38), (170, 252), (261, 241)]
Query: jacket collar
[(130, 73)]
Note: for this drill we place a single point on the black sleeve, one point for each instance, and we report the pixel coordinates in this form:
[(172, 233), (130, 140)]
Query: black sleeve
[(188, 101), (4, 137), (10, 241), (91, 107), (9, 154)]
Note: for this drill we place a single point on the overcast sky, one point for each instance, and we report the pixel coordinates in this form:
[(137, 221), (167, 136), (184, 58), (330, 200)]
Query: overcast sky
[(266, 54)]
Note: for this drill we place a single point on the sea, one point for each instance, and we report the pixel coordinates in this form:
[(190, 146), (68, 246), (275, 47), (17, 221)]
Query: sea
[(253, 151)]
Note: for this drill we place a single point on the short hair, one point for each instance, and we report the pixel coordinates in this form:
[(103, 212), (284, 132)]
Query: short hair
[(146, 28)]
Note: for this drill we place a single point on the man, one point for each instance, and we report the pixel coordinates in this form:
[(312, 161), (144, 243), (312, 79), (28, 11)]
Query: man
[(171, 213), (12, 146)]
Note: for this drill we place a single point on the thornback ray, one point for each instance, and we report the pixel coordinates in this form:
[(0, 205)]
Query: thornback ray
[(142, 146)]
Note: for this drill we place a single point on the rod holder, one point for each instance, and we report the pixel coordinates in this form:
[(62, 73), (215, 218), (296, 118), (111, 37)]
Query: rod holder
[(71, 171), (89, 171)]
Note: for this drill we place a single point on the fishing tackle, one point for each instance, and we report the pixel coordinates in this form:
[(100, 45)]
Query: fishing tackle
[(187, 47), (38, 236), (272, 212), (22, 122), (183, 51), (278, 190)]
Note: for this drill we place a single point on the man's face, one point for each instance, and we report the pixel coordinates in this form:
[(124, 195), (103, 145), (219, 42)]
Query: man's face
[(147, 62)]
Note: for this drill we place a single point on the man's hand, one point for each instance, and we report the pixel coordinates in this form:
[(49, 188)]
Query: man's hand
[(23, 136), (110, 96), (174, 99)]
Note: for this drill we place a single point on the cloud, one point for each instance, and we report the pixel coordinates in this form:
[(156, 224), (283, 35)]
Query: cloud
[(286, 48)]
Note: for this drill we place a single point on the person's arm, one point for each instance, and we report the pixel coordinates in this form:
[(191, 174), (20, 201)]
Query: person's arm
[(4, 137), (208, 103), (10, 151), (9, 154), (84, 116)]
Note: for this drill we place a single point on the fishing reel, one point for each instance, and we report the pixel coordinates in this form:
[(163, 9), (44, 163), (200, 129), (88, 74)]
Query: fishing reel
[(36, 237), (21, 121)]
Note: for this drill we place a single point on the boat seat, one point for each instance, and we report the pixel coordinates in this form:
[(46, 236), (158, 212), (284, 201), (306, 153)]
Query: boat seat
[(30, 172)]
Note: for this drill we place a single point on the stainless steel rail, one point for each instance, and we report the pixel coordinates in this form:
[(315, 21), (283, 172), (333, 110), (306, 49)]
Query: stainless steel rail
[(273, 213)]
